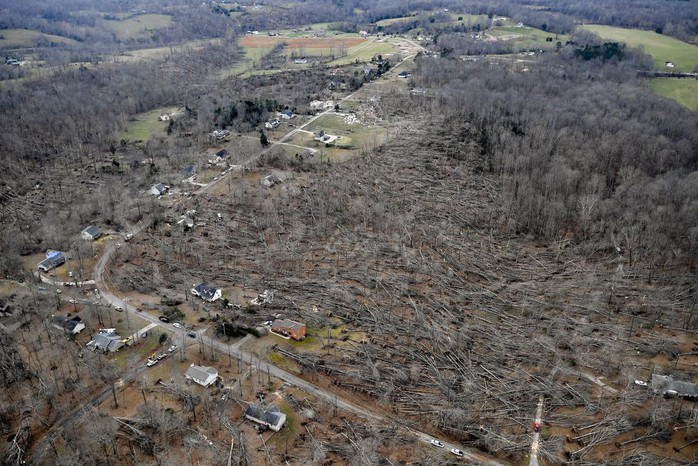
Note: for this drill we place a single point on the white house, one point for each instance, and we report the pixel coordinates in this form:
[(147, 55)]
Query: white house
[(159, 189), (91, 233), (206, 292), (203, 375)]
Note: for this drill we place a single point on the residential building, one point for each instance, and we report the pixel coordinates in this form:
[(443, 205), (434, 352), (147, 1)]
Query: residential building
[(107, 341), (206, 292), (91, 233), (271, 417), (159, 189), (203, 375), (72, 325), (289, 328), (53, 259)]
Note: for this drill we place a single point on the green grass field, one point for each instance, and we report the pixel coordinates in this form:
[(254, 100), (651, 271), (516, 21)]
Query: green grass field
[(662, 48), (526, 37), (684, 91), (138, 27), (29, 38), (146, 125), (364, 52)]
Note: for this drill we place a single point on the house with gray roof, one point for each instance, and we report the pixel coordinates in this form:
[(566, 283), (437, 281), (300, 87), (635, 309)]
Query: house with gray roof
[(107, 342), (91, 233), (53, 259), (203, 375), (271, 417)]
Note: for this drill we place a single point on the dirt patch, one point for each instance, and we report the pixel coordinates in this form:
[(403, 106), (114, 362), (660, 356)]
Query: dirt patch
[(299, 42)]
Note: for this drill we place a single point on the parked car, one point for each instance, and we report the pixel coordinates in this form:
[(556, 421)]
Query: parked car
[(457, 452), (119, 309), (436, 443), (172, 348), (191, 335), (163, 319), (177, 325)]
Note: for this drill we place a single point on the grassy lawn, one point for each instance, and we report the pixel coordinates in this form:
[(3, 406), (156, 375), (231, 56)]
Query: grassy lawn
[(662, 48), (146, 125), (527, 37), (684, 91), (138, 27), (29, 38), (364, 52)]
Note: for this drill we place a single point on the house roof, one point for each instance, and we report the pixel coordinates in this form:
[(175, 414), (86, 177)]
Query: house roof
[(666, 383), (223, 154), (161, 188), (206, 291), (201, 374), (287, 324), (53, 261), (92, 231), (271, 416), (106, 341), (188, 171)]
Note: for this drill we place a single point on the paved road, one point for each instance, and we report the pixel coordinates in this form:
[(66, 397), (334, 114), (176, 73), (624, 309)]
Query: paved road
[(235, 350), (533, 461)]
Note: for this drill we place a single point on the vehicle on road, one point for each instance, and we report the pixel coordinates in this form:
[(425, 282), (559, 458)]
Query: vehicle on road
[(177, 325), (163, 319), (436, 443), (119, 309), (128, 236), (457, 452), (151, 362), (191, 335), (536, 426)]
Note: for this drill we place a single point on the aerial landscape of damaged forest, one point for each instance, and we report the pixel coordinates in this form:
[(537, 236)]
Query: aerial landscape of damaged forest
[(348, 232)]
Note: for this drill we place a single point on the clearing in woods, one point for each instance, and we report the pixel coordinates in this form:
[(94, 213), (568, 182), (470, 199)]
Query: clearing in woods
[(302, 45), (138, 27), (684, 91), (30, 38), (663, 49)]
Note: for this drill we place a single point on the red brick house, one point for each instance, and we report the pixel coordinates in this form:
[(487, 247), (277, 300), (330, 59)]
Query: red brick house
[(289, 328)]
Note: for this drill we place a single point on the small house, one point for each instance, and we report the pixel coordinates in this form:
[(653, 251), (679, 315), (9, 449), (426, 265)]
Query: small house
[(271, 417), (289, 328), (187, 172), (203, 375), (159, 189), (72, 325), (91, 233), (270, 180), (53, 259), (206, 292), (107, 341)]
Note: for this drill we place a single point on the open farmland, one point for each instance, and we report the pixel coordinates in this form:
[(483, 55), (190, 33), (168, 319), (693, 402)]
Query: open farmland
[(28, 38), (303, 46), (662, 48), (684, 91), (138, 27)]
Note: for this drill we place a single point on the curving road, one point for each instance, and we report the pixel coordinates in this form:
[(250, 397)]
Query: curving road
[(234, 349)]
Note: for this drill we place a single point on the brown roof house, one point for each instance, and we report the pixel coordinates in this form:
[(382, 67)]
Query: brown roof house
[(289, 328)]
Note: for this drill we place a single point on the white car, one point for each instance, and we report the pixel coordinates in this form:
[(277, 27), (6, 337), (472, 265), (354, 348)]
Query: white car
[(177, 325), (641, 383), (457, 452), (172, 348), (436, 443)]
